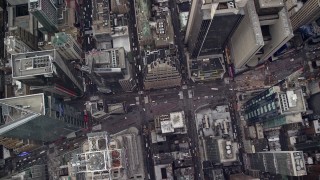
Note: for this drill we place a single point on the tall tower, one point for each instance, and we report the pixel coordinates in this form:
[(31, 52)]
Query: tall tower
[(210, 24), (66, 46), (46, 70), (264, 29), (275, 107), (46, 13), (290, 163), (309, 12), (38, 117)]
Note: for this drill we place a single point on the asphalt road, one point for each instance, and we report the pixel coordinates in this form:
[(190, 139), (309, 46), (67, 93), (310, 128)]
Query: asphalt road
[(135, 48), (178, 38), (86, 22)]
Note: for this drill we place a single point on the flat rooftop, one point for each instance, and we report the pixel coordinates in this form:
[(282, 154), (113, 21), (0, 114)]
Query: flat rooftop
[(32, 63), (208, 63), (177, 119), (296, 101)]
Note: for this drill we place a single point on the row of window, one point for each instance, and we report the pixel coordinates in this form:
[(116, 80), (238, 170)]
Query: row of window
[(263, 109), (262, 96)]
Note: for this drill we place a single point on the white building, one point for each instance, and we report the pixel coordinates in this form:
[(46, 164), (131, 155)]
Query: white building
[(172, 123), (14, 45)]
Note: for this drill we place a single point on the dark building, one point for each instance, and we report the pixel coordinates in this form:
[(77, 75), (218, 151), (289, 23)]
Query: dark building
[(290, 163), (209, 26), (275, 107), (38, 117)]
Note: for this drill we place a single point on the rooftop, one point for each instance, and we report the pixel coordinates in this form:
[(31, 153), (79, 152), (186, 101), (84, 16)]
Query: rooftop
[(270, 3), (171, 123), (163, 31), (163, 171), (143, 14), (166, 127), (32, 63), (103, 157), (214, 122), (221, 150), (208, 63), (112, 59), (184, 173), (295, 101), (60, 39), (177, 119), (101, 17)]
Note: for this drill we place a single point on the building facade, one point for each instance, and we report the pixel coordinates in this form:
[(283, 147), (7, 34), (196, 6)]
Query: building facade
[(66, 46), (46, 13), (46, 70), (111, 66), (20, 40), (38, 117), (15, 45), (290, 163), (264, 29), (309, 12), (162, 73), (275, 107), (209, 26), (19, 145)]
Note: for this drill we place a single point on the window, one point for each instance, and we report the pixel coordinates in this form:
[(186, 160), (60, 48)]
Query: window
[(22, 10)]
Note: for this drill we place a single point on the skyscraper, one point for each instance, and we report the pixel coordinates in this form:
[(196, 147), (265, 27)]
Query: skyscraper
[(290, 163), (46, 70), (110, 66), (275, 107), (210, 24), (38, 117), (66, 46), (309, 12), (46, 13), (264, 29)]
